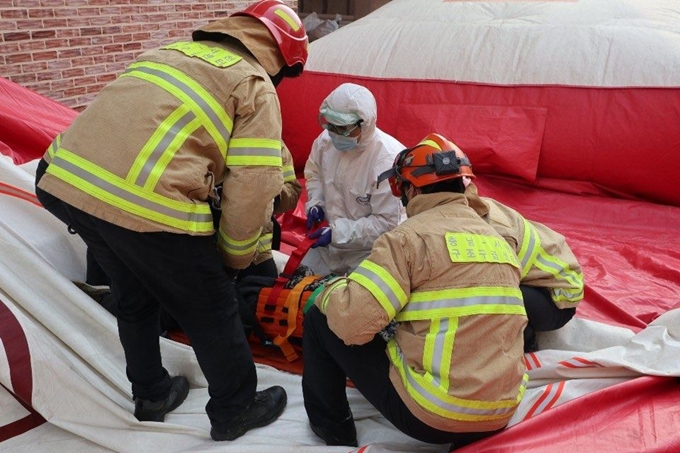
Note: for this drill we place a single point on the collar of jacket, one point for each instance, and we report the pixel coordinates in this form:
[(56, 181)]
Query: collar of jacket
[(252, 34), (425, 201), (475, 201)]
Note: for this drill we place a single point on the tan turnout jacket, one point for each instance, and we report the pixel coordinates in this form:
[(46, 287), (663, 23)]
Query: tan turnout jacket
[(545, 258), (453, 285), (148, 152)]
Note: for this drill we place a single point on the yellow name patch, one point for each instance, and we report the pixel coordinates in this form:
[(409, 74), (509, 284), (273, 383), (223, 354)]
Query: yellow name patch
[(214, 55), (478, 248)]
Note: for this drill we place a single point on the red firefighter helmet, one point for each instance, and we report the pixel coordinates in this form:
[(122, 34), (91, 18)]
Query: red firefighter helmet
[(434, 159), (286, 27)]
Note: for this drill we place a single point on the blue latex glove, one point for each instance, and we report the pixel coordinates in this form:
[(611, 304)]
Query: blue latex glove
[(322, 236), (315, 215)]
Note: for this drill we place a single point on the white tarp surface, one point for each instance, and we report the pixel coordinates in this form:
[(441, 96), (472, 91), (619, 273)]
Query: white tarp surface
[(78, 369)]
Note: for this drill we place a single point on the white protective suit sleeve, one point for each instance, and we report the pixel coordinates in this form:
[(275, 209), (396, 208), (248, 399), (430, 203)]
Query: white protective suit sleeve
[(344, 182)]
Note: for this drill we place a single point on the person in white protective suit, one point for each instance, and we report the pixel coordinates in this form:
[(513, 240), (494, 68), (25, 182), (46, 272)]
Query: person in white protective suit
[(341, 173)]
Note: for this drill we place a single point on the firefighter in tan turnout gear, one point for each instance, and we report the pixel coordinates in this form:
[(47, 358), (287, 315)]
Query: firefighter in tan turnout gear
[(436, 311), (137, 172)]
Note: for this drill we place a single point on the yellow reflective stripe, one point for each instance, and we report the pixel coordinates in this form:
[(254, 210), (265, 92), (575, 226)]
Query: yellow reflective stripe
[(561, 271), (533, 254), (216, 56), (289, 20), (159, 150), (54, 146), (439, 349), (335, 284), (531, 243), (289, 173), (193, 217), (431, 143), (381, 285), (210, 112), (238, 248), (264, 244), (456, 302), (254, 151), (479, 248), (429, 395)]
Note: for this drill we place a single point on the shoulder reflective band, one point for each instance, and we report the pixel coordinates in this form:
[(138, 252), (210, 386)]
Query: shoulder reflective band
[(159, 150), (531, 243), (456, 302), (115, 191), (216, 56), (479, 248), (425, 390), (254, 151), (381, 285), (199, 101)]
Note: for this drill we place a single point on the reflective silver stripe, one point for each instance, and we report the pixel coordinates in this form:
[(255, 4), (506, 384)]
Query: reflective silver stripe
[(162, 146), (134, 198), (385, 292), (438, 352), (574, 295), (529, 248), (559, 270), (449, 407), (264, 244), (252, 151), (452, 304), (186, 89), (289, 175)]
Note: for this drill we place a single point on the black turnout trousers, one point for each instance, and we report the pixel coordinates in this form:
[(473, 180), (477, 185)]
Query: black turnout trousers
[(184, 275), (328, 362)]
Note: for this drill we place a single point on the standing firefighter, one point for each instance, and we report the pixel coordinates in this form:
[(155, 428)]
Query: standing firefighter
[(442, 289), (137, 172)]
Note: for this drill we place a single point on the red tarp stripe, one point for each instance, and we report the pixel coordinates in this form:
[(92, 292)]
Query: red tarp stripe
[(531, 361), (539, 407), (20, 371), (12, 191), (539, 401), (18, 427)]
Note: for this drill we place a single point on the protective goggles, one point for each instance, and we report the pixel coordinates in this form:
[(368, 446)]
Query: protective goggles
[(340, 130)]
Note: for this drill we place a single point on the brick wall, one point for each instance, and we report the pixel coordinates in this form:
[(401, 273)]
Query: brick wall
[(67, 50)]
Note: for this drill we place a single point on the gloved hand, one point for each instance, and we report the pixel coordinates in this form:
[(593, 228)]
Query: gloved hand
[(322, 236), (315, 215)]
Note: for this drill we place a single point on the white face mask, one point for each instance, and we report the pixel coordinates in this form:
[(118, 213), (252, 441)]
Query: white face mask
[(343, 143)]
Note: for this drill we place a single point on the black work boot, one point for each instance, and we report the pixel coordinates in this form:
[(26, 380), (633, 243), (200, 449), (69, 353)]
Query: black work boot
[(344, 433), (154, 411), (263, 410)]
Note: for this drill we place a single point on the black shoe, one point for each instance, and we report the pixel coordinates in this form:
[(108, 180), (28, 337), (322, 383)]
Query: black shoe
[(265, 408), (344, 433), (154, 411)]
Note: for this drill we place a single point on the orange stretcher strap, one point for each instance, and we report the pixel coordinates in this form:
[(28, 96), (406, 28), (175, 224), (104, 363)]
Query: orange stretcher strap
[(293, 305)]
